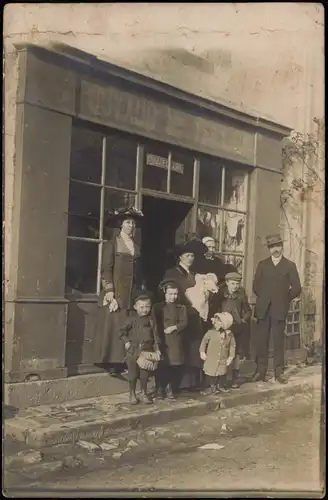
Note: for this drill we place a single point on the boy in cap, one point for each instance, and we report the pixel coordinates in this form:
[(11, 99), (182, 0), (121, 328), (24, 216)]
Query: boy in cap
[(140, 337), (217, 350), (233, 299), (172, 319)]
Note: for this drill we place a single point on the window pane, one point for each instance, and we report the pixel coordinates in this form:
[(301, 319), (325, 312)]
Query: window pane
[(182, 173), (235, 189), (155, 167), (210, 175), (121, 159), (236, 260), (234, 232), (83, 210), (208, 222), (118, 199), (81, 266), (86, 153)]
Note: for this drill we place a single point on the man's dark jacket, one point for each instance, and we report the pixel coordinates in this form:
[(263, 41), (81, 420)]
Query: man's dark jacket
[(275, 286)]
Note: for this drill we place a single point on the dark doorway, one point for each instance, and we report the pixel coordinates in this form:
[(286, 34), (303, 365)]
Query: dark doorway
[(162, 220)]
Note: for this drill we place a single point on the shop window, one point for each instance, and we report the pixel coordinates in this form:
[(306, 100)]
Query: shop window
[(210, 181), (155, 167), (235, 189), (83, 211), (234, 232), (121, 160), (208, 222), (87, 221), (81, 266), (86, 152), (182, 174)]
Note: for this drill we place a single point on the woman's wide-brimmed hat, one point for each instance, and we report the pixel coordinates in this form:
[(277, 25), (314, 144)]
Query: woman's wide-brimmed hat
[(273, 239), (193, 246), (121, 214)]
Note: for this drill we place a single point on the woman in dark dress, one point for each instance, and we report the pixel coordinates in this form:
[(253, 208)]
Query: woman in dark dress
[(121, 276), (182, 275)]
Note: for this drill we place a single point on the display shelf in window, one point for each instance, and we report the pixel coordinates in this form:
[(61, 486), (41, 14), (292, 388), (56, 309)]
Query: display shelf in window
[(234, 232), (235, 189), (208, 222), (121, 160), (81, 267), (86, 154), (236, 260)]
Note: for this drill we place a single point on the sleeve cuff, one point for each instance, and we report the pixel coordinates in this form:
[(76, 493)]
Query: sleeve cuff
[(107, 286)]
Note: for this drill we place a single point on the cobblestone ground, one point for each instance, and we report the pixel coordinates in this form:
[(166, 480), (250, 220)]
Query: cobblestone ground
[(274, 445)]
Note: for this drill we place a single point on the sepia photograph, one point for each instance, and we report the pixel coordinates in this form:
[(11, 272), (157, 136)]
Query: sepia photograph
[(163, 250)]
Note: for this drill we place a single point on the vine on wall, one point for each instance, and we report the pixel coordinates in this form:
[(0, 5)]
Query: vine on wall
[(303, 180)]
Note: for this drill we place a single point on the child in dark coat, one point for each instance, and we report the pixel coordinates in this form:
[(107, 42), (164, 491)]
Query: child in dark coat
[(172, 319), (139, 334), (233, 299)]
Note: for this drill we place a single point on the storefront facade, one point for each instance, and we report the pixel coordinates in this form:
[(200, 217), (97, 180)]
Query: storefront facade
[(91, 137)]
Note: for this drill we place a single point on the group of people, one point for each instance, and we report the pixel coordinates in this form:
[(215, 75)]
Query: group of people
[(197, 328)]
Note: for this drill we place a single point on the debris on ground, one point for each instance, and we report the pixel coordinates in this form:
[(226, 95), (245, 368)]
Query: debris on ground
[(132, 443), (88, 446), (107, 446), (211, 446)]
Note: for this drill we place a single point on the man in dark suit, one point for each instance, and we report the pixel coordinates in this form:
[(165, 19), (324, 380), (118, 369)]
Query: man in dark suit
[(276, 284)]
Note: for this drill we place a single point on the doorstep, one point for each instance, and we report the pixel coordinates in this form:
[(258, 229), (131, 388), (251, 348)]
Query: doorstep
[(101, 417)]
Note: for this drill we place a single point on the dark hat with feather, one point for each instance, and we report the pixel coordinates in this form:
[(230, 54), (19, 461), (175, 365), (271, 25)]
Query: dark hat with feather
[(117, 216)]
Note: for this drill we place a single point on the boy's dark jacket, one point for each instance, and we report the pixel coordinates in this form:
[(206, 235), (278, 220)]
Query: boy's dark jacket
[(141, 332), (237, 304)]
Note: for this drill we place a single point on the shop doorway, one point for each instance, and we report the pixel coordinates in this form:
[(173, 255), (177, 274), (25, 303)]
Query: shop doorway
[(165, 224)]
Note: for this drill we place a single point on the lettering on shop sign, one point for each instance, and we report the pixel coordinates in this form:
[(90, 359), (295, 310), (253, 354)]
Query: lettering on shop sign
[(161, 162), (137, 113)]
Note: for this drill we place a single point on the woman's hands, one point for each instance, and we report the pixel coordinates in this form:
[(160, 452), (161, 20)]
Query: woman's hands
[(170, 329), (203, 356), (109, 300)]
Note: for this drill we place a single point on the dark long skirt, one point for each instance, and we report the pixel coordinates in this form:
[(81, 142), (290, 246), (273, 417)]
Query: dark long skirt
[(110, 349), (192, 337)]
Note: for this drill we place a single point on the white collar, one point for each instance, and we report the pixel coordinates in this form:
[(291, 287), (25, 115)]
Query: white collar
[(184, 267), (126, 236), (276, 260)]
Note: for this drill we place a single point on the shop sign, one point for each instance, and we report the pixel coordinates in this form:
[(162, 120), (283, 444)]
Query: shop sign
[(161, 162)]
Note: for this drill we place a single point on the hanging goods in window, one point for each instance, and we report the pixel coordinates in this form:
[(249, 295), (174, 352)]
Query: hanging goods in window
[(234, 229)]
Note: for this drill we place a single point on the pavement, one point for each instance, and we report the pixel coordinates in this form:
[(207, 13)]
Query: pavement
[(271, 445), (103, 417)]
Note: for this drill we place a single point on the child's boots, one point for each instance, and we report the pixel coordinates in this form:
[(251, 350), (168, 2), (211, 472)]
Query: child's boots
[(235, 376), (132, 396), (145, 399), (169, 392)]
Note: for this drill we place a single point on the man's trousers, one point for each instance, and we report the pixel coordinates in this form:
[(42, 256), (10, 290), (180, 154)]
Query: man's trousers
[(276, 328)]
